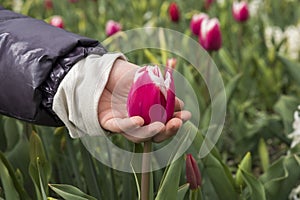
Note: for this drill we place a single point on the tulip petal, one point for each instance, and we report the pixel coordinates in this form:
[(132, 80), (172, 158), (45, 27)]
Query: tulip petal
[(143, 99), (190, 174), (210, 36)]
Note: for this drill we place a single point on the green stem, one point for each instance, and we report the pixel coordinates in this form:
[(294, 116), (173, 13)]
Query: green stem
[(195, 194), (146, 163)]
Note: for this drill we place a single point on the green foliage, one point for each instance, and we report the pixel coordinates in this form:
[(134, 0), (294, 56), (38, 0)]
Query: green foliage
[(69, 192), (261, 82)]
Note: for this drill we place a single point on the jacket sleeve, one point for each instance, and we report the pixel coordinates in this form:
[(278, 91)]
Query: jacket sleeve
[(34, 58)]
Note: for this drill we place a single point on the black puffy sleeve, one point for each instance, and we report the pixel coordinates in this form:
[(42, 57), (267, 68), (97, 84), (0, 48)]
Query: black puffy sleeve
[(34, 58)]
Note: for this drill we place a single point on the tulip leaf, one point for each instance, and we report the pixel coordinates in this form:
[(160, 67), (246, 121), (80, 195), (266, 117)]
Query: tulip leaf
[(90, 174), (12, 133), (69, 192), (229, 64), (8, 183), (151, 57), (39, 167), (17, 182), (246, 165), (256, 189), (263, 154), (170, 180), (231, 86), (293, 68), (168, 188), (182, 191), (219, 178), (285, 107), (162, 42), (281, 177)]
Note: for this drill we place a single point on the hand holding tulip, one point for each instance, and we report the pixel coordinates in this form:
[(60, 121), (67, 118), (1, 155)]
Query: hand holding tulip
[(113, 115)]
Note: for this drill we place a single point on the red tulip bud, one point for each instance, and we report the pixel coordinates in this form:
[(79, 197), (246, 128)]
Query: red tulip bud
[(112, 27), (174, 12), (196, 21), (48, 4), (210, 35), (152, 95), (240, 11), (57, 21), (208, 4), (193, 175)]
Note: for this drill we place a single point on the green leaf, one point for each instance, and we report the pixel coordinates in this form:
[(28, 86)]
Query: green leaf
[(19, 156), (13, 176), (281, 177), (170, 180), (293, 68), (219, 178), (229, 64), (69, 192), (182, 191), (256, 189), (90, 174), (231, 86), (168, 189), (285, 107), (263, 154), (12, 133), (152, 58), (246, 165), (39, 167), (8, 183)]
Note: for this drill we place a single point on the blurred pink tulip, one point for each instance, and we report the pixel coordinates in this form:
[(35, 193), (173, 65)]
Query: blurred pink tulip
[(112, 27), (210, 36), (193, 175), (240, 11), (195, 24), (57, 21), (174, 12), (152, 95)]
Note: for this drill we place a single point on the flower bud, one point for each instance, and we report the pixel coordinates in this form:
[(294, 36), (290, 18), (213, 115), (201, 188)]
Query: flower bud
[(48, 4), (193, 175), (152, 95), (57, 21), (240, 11), (112, 27), (195, 24), (208, 4), (174, 12), (210, 35)]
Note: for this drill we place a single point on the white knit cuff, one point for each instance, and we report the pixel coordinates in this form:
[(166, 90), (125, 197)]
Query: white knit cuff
[(76, 100)]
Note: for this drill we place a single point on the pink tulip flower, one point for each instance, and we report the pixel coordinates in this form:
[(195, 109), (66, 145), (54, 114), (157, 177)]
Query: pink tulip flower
[(240, 11), (152, 95), (57, 21), (112, 27), (195, 24), (210, 36)]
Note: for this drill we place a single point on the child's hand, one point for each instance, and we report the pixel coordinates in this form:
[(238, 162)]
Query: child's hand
[(112, 112)]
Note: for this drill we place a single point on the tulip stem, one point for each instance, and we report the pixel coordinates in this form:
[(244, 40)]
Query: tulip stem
[(195, 194), (146, 164)]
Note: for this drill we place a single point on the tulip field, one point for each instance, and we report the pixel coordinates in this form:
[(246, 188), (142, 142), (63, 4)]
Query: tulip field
[(239, 62)]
